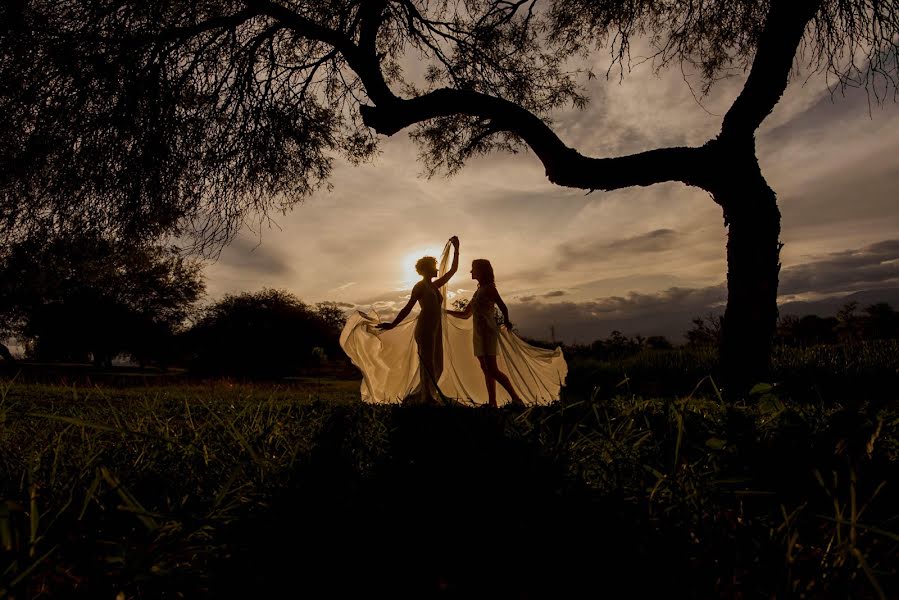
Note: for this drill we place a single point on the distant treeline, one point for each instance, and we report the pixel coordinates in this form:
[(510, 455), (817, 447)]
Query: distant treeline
[(93, 300), (875, 322)]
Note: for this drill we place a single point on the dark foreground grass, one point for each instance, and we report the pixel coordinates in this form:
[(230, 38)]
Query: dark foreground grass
[(251, 492), (823, 374)]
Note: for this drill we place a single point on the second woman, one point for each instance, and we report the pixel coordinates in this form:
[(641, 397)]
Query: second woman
[(486, 331)]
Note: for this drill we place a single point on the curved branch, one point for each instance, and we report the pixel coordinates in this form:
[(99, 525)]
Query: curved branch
[(370, 16), (303, 26), (564, 165), (220, 22), (784, 28), (685, 164)]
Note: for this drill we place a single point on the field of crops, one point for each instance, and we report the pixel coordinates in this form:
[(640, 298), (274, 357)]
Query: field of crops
[(239, 490)]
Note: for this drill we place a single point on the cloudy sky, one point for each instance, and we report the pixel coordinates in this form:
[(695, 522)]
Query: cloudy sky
[(642, 260)]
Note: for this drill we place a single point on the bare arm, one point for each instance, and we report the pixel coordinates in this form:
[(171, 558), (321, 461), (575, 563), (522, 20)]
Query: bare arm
[(452, 271), (465, 313), (502, 308), (403, 313)]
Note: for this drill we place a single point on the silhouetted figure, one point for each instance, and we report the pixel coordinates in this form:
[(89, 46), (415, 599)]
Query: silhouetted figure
[(429, 326), (6, 354), (486, 330), (392, 370)]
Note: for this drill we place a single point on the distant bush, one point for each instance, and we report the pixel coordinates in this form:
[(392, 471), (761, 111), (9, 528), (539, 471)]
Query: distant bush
[(89, 298), (264, 334)]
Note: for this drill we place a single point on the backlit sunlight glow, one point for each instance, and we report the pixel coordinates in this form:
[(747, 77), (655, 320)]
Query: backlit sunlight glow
[(407, 275)]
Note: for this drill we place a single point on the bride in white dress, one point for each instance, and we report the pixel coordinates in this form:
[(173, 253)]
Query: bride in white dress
[(388, 353)]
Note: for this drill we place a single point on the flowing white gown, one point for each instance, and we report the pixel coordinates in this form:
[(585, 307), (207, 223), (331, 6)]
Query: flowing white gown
[(390, 365)]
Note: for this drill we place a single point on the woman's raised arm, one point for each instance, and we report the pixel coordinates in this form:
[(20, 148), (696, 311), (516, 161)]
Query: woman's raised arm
[(455, 266)]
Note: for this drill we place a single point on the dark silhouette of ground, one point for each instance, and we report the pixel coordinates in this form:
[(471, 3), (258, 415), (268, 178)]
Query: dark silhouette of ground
[(457, 510)]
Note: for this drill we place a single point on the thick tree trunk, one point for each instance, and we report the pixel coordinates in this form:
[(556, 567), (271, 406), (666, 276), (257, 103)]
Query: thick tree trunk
[(753, 265)]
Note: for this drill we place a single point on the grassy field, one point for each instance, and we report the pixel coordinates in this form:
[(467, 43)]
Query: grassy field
[(234, 490)]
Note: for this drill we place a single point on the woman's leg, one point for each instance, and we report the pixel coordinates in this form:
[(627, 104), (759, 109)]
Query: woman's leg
[(428, 371), (491, 382), (499, 376), (428, 388)]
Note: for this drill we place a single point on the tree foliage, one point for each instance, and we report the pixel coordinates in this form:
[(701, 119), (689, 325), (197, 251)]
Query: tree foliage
[(706, 331), (71, 298), (193, 117), (853, 41), (270, 333), (332, 315), (876, 322)]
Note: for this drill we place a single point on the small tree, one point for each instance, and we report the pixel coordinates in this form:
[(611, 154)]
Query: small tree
[(332, 315), (849, 323), (807, 330), (658, 342), (265, 334), (74, 298), (706, 331), (880, 322)]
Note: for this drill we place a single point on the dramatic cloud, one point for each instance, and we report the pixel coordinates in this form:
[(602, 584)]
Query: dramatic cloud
[(641, 260), (668, 312), (247, 254), (659, 240), (875, 265), (343, 287)]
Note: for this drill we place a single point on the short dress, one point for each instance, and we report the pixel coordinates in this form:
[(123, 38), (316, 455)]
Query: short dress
[(486, 331)]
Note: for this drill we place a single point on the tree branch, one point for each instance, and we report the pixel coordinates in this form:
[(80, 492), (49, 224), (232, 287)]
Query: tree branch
[(370, 17), (784, 28), (363, 59), (564, 165), (222, 22), (304, 26)]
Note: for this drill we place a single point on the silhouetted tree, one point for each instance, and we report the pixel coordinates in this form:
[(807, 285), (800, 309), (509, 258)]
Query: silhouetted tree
[(10, 320), (615, 347), (880, 322), (71, 298), (618, 345), (192, 116), (807, 330), (332, 315), (786, 330), (264, 334), (706, 331), (849, 324), (658, 342)]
